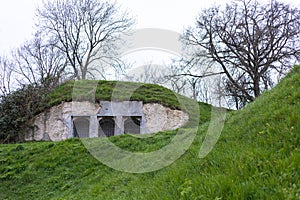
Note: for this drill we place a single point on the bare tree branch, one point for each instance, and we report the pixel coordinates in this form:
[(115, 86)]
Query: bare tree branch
[(250, 41), (5, 76), (37, 62), (195, 75), (84, 30)]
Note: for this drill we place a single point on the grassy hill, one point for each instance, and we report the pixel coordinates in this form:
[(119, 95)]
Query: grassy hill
[(119, 91), (256, 157)]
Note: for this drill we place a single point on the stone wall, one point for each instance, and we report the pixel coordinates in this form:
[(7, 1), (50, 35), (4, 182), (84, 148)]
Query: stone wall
[(56, 124), (51, 124), (160, 118)]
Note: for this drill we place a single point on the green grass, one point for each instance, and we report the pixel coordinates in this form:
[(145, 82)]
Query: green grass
[(114, 90), (256, 157)]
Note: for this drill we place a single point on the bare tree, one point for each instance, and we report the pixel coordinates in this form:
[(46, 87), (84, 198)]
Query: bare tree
[(86, 31), (191, 77), (38, 62), (147, 73), (5, 76), (178, 84), (250, 41), (204, 91)]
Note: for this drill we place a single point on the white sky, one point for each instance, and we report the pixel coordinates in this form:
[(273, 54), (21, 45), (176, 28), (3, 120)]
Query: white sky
[(16, 16)]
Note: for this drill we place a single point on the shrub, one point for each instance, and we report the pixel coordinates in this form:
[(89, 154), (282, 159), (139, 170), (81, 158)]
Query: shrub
[(17, 108)]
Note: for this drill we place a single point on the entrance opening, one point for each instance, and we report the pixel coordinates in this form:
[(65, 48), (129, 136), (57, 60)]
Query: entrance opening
[(132, 125), (106, 127), (81, 127)]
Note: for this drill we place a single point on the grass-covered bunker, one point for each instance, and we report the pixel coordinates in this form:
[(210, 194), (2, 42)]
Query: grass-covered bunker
[(113, 108)]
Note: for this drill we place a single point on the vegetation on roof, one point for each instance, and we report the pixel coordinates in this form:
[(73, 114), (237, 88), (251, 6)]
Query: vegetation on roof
[(112, 90)]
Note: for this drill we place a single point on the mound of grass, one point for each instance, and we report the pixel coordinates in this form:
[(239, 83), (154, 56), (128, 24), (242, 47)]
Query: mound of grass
[(256, 157), (114, 90), (95, 91)]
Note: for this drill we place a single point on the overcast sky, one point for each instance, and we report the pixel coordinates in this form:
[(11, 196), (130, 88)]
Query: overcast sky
[(16, 16)]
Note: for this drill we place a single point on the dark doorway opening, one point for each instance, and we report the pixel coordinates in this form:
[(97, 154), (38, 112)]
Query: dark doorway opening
[(132, 125), (81, 127), (106, 127)]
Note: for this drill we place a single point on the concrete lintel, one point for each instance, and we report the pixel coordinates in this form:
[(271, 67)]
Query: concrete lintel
[(122, 108)]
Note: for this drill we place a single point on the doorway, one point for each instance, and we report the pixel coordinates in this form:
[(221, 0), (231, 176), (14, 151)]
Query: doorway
[(106, 127), (132, 125), (81, 127)]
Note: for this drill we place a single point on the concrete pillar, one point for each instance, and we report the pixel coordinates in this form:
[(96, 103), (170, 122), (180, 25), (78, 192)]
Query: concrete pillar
[(143, 125), (119, 126), (93, 129), (69, 124)]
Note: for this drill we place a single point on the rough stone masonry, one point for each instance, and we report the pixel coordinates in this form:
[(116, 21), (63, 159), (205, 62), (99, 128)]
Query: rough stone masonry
[(86, 119)]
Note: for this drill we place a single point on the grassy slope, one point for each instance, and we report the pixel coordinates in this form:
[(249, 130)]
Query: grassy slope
[(107, 90), (257, 157)]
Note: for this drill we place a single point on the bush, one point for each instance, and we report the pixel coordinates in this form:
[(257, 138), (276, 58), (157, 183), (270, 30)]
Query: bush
[(17, 108)]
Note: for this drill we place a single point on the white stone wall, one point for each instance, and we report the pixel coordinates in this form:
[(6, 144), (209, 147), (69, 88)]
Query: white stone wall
[(160, 118), (55, 124)]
